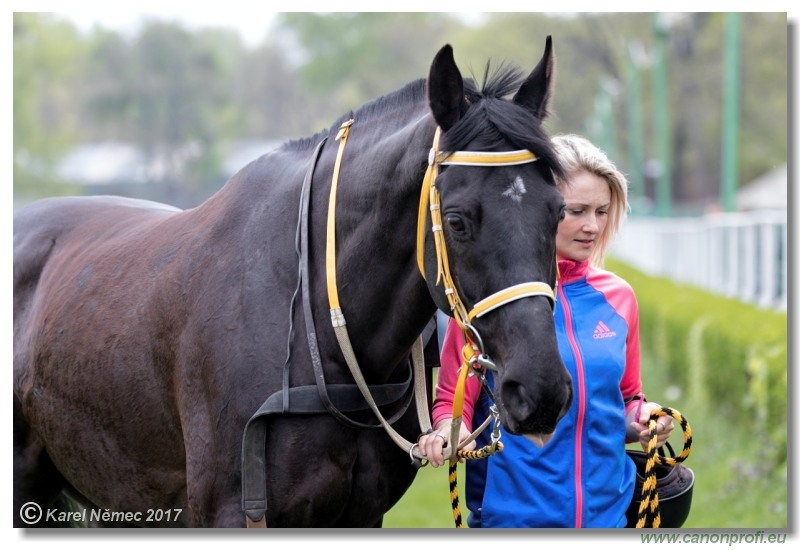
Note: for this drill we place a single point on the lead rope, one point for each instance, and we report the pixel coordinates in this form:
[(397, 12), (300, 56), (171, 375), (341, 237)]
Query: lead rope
[(470, 353), (649, 511), (473, 353)]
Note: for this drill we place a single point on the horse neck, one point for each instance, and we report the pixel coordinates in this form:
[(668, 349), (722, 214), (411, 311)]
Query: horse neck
[(383, 296)]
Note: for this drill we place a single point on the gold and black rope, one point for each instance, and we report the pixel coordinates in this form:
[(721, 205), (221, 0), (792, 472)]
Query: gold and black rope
[(649, 513), (476, 454)]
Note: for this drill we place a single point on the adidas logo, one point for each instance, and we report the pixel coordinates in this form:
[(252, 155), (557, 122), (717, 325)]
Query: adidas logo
[(602, 331)]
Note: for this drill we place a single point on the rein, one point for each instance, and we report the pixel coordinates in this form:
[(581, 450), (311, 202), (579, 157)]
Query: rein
[(340, 324)]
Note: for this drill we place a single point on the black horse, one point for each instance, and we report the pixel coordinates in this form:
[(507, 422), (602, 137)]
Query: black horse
[(146, 337)]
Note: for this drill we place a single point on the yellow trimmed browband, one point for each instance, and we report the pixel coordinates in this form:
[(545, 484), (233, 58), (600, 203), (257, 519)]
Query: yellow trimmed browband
[(482, 158)]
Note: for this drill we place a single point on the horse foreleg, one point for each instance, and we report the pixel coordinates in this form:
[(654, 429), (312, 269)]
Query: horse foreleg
[(37, 482)]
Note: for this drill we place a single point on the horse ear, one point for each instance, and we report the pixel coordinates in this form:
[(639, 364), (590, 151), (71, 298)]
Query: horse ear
[(446, 89), (536, 91)]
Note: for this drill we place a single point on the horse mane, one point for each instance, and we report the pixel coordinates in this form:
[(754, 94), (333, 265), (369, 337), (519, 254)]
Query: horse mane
[(489, 116), (412, 93)]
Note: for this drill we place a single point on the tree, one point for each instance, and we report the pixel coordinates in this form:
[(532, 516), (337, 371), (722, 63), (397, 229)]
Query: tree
[(48, 59)]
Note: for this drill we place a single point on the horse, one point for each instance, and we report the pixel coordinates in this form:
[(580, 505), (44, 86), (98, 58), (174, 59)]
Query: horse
[(146, 338)]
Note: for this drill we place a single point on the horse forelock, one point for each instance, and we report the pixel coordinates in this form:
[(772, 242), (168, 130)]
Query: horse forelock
[(492, 118)]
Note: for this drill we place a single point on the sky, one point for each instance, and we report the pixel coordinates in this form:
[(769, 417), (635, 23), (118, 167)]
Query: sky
[(254, 23), (252, 26)]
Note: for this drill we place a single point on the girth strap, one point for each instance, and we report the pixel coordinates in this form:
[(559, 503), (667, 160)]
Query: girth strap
[(304, 400)]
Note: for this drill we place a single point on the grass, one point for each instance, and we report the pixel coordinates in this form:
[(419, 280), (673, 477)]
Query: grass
[(732, 489), (427, 503)]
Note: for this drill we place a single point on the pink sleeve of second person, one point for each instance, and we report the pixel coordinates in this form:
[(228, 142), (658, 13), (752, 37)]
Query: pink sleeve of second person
[(448, 377)]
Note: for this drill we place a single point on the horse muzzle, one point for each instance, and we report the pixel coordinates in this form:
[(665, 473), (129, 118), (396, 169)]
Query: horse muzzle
[(534, 412)]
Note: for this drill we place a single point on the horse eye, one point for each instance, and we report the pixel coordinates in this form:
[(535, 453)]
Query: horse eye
[(455, 223), (562, 213)]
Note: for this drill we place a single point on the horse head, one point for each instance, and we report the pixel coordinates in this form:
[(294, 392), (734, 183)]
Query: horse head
[(499, 210)]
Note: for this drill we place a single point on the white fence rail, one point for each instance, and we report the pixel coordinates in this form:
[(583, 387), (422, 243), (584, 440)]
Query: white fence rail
[(742, 255)]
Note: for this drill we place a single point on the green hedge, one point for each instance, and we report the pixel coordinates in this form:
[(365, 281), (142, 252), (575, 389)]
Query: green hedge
[(730, 354)]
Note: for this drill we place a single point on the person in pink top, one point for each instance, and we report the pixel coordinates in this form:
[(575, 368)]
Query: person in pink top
[(582, 476)]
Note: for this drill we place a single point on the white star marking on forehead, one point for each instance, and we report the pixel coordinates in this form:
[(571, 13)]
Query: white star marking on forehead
[(515, 190)]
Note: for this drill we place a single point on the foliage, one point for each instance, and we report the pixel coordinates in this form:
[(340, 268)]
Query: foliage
[(167, 86), (363, 55), (720, 350), (48, 56)]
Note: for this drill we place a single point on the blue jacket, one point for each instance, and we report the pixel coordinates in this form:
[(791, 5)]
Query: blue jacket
[(581, 477)]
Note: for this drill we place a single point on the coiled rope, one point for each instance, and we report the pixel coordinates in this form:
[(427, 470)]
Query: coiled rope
[(649, 512)]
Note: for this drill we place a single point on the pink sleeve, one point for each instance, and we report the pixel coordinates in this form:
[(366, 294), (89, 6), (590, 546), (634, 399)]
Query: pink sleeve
[(448, 377), (631, 383), (622, 298)]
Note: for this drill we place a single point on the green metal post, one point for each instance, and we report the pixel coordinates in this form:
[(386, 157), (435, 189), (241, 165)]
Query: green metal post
[(730, 125), (661, 132), (605, 111), (635, 128)]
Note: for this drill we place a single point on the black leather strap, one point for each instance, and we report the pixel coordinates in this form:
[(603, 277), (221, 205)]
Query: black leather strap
[(322, 398), (304, 400)]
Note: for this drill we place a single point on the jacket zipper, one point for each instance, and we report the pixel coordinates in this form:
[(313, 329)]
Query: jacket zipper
[(581, 390)]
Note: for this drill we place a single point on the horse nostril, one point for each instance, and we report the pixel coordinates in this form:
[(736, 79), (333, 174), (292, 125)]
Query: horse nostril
[(517, 401), (533, 412)]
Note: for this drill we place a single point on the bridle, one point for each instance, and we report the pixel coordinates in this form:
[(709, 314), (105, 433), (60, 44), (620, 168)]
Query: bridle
[(429, 201)]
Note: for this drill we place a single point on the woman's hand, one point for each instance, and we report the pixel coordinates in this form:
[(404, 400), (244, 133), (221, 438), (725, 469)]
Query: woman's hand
[(432, 445), (639, 430)]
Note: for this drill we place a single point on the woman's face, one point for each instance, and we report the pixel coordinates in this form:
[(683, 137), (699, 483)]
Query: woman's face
[(588, 199)]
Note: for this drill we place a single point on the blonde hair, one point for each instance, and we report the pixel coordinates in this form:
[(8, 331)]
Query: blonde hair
[(578, 154)]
